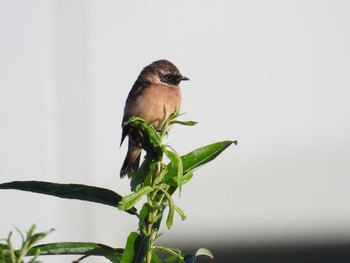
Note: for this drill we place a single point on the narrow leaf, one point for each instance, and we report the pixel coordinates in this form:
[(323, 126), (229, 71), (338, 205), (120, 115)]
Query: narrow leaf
[(136, 248), (155, 258), (151, 141), (180, 212), (196, 158), (3, 246), (186, 123), (173, 259), (76, 248), (187, 177), (69, 191), (130, 200), (142, 176), (113, 259), (170, 217), (143, 218), (177, 162), (189, 258)]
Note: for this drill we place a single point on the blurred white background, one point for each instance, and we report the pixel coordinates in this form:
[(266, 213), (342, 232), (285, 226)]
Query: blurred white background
[(275, 75)]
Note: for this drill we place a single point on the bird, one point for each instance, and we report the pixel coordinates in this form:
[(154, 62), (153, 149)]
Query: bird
[(154, 96)]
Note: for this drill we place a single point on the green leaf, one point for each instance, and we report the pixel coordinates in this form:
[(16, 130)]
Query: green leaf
[(130, 200), (136, 248), (173, 259), (143, 175), (200, 252), (9, 254), (190, 258), (33, 237), (151, 141), (155, 258), (158, 219), (5, 254), (186, 123), (143, 217), (78, 248), (176, 160), (113, 259), (180, 212), (3, 246), (170, 217), (187, 177), (196, 158), (62, 248), (70, 191)]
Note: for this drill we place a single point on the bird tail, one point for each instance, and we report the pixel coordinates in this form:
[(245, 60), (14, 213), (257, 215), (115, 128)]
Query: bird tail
[(132, 160), (129, 166)]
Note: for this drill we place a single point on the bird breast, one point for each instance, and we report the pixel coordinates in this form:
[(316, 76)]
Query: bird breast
[(156, 103)]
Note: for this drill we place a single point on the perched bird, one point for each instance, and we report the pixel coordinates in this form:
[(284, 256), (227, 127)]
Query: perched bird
[(153, 97)]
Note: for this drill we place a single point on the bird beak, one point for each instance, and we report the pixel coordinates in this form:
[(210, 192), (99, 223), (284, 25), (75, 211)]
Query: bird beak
[(181, 78)]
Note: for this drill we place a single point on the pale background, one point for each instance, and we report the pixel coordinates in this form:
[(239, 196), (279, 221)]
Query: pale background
[(275, 75)]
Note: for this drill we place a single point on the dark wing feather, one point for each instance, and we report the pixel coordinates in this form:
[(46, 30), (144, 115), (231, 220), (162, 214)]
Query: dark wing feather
[(136, 90)]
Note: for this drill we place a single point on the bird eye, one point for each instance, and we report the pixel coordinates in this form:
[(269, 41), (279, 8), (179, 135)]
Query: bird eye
[(169, 77)]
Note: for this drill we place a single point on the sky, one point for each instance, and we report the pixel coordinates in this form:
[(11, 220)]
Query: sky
[(273, 75)]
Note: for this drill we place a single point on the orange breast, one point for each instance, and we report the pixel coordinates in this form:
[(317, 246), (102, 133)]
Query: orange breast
[(156, 103)]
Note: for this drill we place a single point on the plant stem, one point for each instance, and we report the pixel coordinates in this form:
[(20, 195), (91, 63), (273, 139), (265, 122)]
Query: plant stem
[(150, 231), (167, 250), (152, 197)]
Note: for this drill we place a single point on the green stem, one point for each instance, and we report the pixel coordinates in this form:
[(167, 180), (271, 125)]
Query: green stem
[(152, 213), (149, 232), (167, 250), (153, 197)]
